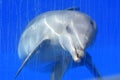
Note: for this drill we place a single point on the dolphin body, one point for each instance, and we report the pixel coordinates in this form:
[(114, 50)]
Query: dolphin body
[(61, 37)]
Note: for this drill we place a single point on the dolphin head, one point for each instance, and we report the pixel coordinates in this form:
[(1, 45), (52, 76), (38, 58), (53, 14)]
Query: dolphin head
[(77, 34)]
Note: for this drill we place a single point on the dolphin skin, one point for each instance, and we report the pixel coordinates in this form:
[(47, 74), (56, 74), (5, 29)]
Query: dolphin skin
[(65, 35)]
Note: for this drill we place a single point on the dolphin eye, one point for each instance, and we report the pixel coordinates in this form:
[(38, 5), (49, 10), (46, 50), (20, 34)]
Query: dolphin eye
[(91, 22), (68, 29)]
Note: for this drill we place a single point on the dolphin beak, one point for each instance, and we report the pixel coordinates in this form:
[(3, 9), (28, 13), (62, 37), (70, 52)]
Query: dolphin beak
[(80, 54)]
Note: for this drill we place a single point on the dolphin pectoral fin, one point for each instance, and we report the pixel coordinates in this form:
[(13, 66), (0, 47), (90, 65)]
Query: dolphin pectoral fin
[(91, 66), (59, 70), (29, 56), (26, 60)]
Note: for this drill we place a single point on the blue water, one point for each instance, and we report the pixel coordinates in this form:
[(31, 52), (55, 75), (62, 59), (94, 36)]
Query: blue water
[(105, 53)]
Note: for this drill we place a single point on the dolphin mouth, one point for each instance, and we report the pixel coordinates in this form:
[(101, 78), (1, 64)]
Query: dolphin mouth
[(80, 54)]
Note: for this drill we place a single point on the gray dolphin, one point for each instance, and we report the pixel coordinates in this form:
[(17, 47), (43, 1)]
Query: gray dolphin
[(65, 34)]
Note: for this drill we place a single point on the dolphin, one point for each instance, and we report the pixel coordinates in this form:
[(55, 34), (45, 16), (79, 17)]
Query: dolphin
[(65, 35)]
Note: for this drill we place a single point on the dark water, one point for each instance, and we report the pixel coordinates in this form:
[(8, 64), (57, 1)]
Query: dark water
[(16, 14)]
